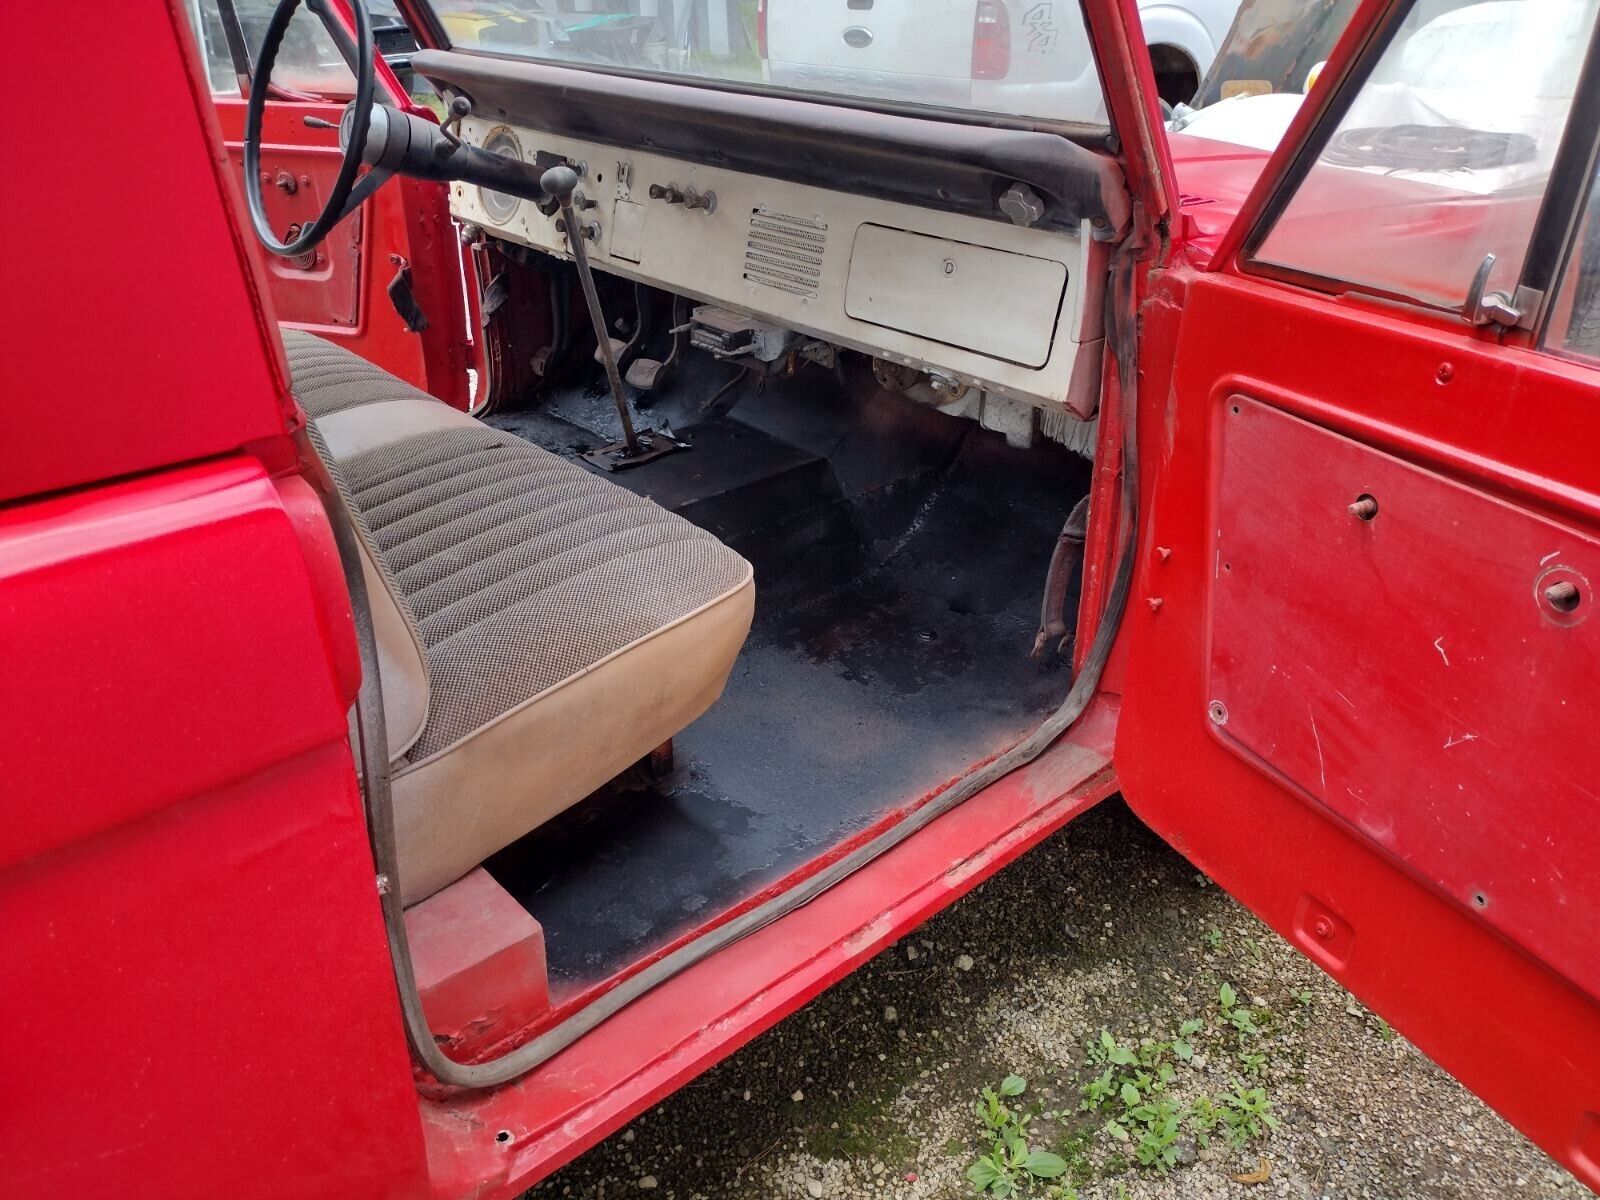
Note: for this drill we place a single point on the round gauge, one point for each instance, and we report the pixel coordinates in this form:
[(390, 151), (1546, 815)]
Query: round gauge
[(499, 206)]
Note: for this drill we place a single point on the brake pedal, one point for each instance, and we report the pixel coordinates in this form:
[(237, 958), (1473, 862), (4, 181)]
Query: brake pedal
[(618, 347)]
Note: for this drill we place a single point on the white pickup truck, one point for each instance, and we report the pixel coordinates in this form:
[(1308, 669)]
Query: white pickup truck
[(1028, 58)]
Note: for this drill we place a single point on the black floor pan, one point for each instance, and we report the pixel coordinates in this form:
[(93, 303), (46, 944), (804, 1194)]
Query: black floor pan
[(889, 651)]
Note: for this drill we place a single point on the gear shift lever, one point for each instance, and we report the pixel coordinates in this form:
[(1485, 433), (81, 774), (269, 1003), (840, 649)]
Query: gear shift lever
[(635, 448)]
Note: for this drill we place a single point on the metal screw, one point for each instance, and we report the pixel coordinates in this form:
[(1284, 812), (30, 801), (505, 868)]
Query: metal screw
[(1364, 507), (1323, 928), (383, 885), (1445, 373), (1218, 712)]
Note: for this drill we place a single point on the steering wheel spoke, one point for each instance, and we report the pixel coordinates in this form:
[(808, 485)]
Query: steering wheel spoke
[(365, 186)]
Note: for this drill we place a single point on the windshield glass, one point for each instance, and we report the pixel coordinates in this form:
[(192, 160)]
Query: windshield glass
[(1024, 58)]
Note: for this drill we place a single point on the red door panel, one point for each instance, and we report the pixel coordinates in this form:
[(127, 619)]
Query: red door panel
[(320, 290), (1430, 606), (1290, 719), (339, 290)]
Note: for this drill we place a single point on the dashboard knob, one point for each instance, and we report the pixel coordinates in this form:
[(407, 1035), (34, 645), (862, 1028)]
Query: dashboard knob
[(666, 192), (1022, 204), (703, 200), (559, 181)]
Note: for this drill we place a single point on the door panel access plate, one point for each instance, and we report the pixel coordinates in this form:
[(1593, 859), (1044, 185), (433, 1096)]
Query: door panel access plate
[(990, 301), (1408, 672)]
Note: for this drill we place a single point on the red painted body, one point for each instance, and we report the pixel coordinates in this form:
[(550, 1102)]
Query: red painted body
[(196, 982)]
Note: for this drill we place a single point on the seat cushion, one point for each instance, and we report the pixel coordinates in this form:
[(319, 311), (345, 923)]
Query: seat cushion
[(568, 626)]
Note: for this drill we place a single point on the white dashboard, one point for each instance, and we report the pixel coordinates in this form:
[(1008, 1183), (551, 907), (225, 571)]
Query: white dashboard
[(1015, 311)]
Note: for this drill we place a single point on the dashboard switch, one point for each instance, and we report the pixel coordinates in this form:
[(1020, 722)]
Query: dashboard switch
[(666, 192), (703, 200)]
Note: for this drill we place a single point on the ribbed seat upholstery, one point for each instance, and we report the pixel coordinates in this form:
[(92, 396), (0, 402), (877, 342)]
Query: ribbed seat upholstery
[(330, 379), (559, 627)]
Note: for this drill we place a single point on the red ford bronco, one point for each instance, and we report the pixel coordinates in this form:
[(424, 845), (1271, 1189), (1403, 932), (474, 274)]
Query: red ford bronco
[(573, 545)]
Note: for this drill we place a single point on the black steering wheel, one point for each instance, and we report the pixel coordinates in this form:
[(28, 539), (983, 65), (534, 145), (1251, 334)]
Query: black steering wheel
[(350, 188)]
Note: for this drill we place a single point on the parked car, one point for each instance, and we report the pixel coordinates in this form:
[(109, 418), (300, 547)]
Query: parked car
[(1024, 57)]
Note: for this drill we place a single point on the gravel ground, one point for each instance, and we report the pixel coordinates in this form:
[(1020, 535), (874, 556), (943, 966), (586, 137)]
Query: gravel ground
[(869, 1091)]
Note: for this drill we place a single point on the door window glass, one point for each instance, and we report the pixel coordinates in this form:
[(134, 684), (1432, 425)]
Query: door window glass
[(308, 61), (1443, 156)]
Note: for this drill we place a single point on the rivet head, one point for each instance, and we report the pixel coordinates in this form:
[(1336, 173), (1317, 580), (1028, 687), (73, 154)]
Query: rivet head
[(1218, 712)]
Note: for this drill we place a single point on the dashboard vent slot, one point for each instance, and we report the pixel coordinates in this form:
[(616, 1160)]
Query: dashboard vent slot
[(785, 252)]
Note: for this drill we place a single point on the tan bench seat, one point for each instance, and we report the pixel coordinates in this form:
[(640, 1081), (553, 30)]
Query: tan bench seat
[(540, 628)]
